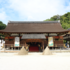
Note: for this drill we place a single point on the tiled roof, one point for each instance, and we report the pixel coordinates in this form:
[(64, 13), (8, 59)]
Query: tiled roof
[(34, 27)]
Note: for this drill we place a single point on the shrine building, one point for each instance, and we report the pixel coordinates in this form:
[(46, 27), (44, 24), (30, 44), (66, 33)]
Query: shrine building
[(33, 35)]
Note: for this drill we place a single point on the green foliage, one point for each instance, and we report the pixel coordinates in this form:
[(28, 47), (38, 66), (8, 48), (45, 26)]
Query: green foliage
[(54, 18), (64, 20), (2, 25)]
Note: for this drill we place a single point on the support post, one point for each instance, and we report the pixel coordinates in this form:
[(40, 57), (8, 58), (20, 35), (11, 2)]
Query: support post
[(43, 45), (25, 45)]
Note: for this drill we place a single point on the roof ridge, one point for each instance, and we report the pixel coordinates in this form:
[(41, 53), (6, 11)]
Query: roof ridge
[(33, 22)]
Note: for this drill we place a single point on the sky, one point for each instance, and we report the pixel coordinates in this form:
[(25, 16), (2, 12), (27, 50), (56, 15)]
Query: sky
[(32, 10)]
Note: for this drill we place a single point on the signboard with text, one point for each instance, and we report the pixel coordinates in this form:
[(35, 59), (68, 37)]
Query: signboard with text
[(50, 41), (17, 42)]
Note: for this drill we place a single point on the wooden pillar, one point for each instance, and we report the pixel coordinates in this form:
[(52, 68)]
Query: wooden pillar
[(48, 34), (61, 39), (19, 41), (25, 44), (43, 45), (4, 45), (19, 35)]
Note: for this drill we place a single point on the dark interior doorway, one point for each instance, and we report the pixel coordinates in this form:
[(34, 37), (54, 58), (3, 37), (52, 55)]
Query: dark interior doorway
[(34, 46)]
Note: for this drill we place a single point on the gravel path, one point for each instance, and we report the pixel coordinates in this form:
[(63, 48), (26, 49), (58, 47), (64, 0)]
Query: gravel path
[(34, 61)]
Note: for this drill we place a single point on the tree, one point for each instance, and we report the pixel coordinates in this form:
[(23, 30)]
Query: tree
[(64, 20), (54, 18), (2, 25)]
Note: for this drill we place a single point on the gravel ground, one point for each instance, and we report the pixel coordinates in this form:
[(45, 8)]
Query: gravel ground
[(35, 61)]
